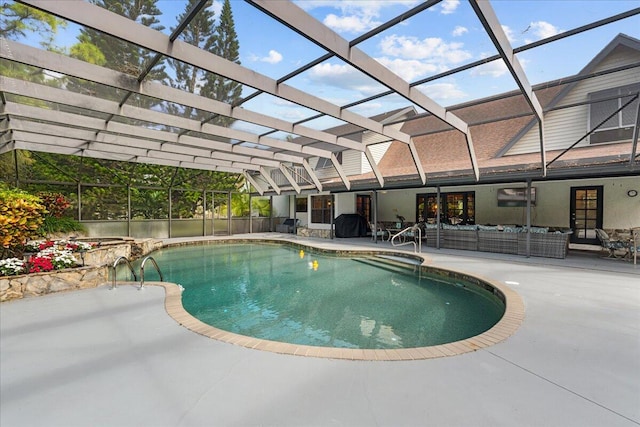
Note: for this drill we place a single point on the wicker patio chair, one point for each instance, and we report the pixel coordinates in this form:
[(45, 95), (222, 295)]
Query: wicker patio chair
[(610, 245)]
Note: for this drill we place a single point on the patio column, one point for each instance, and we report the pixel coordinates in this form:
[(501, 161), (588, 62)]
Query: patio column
[(15, 163), (295, 228), (129, 210), (333, 202), (250, 222), (229, 224), (528, 250), (170, 212), (438, 217), (204, 213), (79, 190), (374, 200)]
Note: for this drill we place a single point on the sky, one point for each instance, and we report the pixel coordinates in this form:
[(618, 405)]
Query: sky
[(444, 37)]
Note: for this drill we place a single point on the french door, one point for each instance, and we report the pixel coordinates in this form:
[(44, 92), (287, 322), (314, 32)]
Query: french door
[(586, 214)]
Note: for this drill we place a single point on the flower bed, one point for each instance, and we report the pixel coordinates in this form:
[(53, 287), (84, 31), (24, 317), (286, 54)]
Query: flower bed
[(62, 265), (44, 255)]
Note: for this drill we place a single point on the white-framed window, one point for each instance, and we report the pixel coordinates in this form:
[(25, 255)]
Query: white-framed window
[(324, 163), (618, 127), (321, 209)]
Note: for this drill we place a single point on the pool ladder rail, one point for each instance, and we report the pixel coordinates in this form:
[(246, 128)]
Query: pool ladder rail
[(124, 259), (409, 231)]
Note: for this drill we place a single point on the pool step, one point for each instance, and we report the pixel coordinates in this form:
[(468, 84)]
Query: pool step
[(391, 264)]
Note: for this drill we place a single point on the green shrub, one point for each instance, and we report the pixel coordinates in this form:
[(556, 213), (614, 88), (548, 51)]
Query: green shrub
[(52, 224), (21, 216)]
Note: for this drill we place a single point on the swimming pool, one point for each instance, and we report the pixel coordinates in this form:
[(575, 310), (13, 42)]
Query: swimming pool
[(286, 293)]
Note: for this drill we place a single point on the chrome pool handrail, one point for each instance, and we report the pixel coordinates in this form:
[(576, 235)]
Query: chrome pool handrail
[(119, 261), (416, 247), (155, 264)]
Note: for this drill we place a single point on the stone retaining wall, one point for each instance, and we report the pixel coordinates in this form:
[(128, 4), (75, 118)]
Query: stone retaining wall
[(95, 271), (313, 232), (37, 284)]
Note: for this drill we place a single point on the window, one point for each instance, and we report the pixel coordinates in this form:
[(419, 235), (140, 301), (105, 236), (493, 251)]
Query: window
[(619, 127), (301, 204), (321, 209), (324, 163), (455, 208)]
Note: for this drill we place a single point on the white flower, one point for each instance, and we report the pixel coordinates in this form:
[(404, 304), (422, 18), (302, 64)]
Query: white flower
[(11, 266)]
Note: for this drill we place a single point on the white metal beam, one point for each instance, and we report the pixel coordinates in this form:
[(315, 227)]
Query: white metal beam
[(492, 26), (267, 176), (253, 182), (338, 166), (312, 174), (132, 136), (418, 163), (374, 167), (115, 25), (53, 142), (290, 178), (47, 93), (305, 24)]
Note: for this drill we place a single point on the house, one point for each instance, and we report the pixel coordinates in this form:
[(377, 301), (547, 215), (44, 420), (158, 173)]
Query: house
[(586, 176)]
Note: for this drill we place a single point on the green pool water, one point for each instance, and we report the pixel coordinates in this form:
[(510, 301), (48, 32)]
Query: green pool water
[(279, 293)]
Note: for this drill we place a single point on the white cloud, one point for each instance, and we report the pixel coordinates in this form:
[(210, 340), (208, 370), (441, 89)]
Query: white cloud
[(449, 6), (354, 16), (442, 91), (509, 33), (344, 77), (408, 69), (350, 24), (542, 29), (216, 8), (432, 48), (495, 68), (458, 31), (273, 58)]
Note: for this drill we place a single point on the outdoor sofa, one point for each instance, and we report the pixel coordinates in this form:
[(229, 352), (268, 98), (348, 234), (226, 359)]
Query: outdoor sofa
[(543, 242)]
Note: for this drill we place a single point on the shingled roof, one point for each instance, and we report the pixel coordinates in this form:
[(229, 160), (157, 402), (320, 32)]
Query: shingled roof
[(494, 124)]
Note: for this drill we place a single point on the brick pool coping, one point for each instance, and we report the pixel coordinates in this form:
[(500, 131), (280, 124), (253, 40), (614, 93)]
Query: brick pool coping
[(503, 329)]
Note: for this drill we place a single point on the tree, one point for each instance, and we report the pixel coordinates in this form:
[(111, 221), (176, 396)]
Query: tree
[(225, 44), (198, 33), (118, 54), (17, 21)]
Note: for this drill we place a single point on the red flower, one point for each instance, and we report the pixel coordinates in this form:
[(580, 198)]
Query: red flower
[(40, 264), (45, 245)]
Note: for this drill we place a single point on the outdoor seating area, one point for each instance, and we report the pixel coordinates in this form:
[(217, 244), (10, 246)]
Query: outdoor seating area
[(288, 225), (620, 245), (508, 239)]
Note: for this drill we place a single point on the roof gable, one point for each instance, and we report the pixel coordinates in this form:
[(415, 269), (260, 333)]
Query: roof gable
[(619, 40)]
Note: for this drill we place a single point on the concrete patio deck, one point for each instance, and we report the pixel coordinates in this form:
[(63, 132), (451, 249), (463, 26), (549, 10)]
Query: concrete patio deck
[(115, 358)]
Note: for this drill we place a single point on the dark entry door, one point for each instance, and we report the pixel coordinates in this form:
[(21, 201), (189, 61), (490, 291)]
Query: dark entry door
[(586, 214), (363, 206)]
